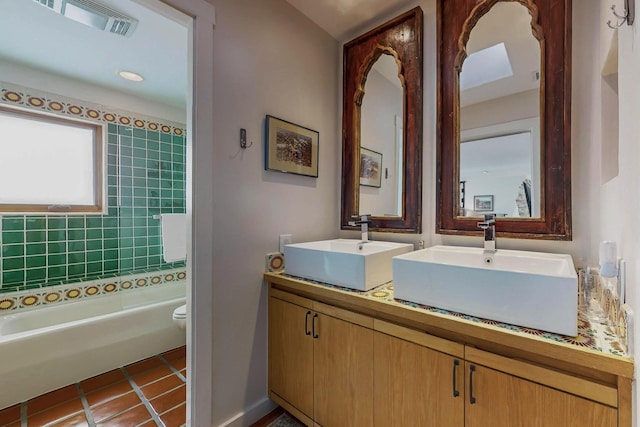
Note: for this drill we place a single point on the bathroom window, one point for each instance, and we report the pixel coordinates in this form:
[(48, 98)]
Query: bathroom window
[(49, 163)]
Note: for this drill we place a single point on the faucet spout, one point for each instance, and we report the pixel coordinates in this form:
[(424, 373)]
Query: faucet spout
[(489, 227), (364, 226)]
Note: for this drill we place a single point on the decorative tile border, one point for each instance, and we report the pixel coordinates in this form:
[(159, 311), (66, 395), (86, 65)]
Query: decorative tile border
[(24, 300), (591, 334), (11, 94), (275, 262)]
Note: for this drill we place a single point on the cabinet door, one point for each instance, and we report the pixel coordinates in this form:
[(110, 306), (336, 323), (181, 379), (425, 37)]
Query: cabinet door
[(291, 354), (415, 385), (503, 400), (343, 374)]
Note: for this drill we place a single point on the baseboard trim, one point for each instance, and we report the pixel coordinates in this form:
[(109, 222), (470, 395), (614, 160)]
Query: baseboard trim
[(251, 414)]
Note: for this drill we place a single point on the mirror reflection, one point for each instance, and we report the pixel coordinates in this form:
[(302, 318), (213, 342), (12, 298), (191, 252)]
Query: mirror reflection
[(499, 87), (381, 140)]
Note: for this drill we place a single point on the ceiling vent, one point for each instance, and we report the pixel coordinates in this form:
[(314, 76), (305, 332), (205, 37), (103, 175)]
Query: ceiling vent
[(93, 14)]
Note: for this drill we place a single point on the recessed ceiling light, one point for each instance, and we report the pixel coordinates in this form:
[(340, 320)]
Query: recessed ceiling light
[(130, 75)]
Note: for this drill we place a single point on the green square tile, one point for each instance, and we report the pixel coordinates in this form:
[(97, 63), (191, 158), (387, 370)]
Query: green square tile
[(94, 233), (9, 277), (57, 272), (36, 248), (76, 246), (140, 201), (13, 250), (140, 172), (35, 236), (139, 192), (177, 140), (140, 252), (126, 232), (139, 153), (76, 222), (110, 255), (139, 162), (139, 182), (94, 267), (13, 263), (140, 241), (153, 155), (154, 241), (125, 130), (110, 243), (153, 136), (126, 264), (109, 222), (140, 133), (94, 256), (56, 235), (111, 266), (165, 137), (126, 201), (59, 259), (155, 250), (56, 247), (76, 234), (9, 237), (126, 253), (153, 145), (92, 245), (110, 233), (36, 261), (36, 275), (94, 222), (140, 262), (165, 156), (155, 260), (13, 223), (76, 269), (140, 232), (125, 242), (112, 145), (112, 128), (112, 200), (76, 257)]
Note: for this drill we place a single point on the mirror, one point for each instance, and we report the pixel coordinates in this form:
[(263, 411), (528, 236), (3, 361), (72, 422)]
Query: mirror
[(381, 140), (382, 126), (504, 136)]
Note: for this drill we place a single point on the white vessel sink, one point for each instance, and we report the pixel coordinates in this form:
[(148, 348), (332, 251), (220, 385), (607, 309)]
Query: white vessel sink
[(531, 289), (344, 262)]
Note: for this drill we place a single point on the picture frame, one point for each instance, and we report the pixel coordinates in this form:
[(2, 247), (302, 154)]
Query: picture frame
[(483, 203), (370, 168), (290, 148)]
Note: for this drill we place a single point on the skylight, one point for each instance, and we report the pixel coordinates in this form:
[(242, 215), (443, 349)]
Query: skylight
[(485, 66)]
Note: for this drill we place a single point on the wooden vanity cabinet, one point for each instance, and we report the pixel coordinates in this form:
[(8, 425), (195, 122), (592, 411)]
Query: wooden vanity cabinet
[(320, 361), (416, 382), (528, 394), (330, 366)]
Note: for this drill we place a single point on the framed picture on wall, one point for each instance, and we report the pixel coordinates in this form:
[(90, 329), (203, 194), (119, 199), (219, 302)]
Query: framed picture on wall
[(483, 203), (290, 148), (370, 168)]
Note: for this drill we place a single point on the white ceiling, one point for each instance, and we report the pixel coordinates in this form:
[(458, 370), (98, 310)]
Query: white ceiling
[(341, 18), (35, 36)]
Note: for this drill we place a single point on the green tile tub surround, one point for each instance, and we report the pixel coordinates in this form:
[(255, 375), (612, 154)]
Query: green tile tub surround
[(145, 177)]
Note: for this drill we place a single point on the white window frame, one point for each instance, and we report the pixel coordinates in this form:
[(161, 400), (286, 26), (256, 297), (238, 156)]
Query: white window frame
[(98, 130)]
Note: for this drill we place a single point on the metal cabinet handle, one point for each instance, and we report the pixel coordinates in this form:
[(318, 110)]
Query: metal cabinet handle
[(472, 399), (306, 323), (456, 362), (313, 325)]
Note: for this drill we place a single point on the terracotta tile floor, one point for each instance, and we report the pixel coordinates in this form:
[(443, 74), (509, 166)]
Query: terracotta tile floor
[(151, 392)]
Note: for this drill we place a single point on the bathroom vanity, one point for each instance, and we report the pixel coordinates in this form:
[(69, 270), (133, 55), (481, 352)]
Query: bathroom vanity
[(340, 357)]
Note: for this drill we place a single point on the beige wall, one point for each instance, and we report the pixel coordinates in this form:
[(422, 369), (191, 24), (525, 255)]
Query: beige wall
[(523, 105), (268, 59)]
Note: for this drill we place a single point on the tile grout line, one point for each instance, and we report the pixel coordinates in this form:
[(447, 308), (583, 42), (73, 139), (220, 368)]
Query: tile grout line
[(23, 414), (145, 401), (85, 405), (173, 368)]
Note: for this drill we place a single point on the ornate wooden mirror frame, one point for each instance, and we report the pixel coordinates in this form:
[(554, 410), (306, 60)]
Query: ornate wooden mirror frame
[(551, 25), (401, 38)]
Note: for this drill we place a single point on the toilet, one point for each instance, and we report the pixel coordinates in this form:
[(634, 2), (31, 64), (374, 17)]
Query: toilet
[(180, 316)]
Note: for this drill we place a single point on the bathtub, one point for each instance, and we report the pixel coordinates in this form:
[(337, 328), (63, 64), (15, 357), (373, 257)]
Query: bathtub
[(50, 347)]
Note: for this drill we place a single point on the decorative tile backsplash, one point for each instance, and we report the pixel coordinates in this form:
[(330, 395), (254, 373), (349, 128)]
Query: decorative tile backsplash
[(48, 296), (145, 173)]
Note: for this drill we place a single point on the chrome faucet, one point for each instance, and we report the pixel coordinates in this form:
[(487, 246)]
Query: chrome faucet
[(489, 227), (364, 226)]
